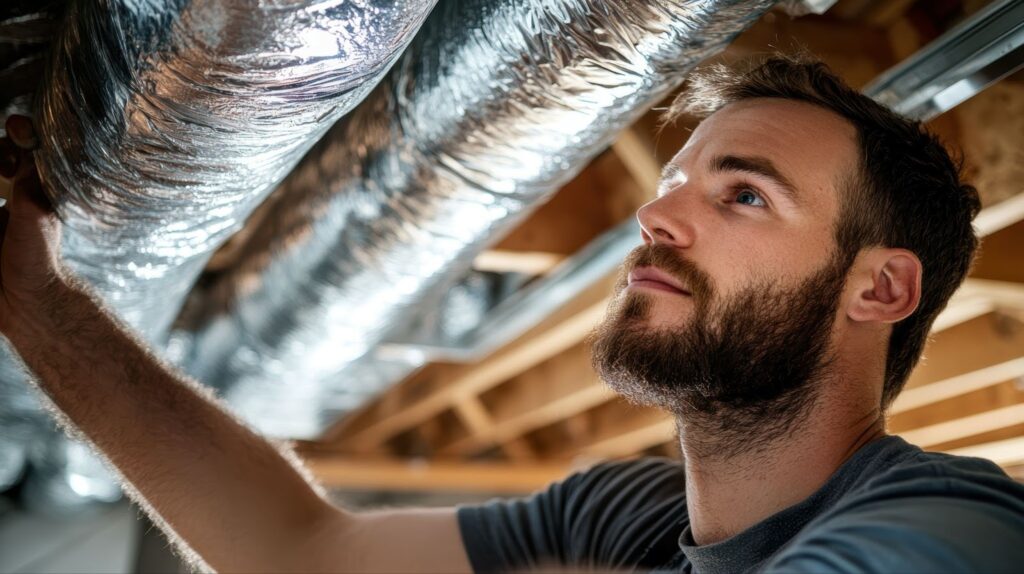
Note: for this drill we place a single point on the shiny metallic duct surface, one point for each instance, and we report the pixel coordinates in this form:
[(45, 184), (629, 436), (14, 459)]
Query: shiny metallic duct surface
[(494, 106), (166, 123)]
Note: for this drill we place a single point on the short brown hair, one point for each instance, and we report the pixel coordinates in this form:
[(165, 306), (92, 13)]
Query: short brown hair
[(908, 192)]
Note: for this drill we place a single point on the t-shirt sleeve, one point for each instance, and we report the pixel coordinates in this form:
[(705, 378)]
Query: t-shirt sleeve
[(610, 516), (970, 521)]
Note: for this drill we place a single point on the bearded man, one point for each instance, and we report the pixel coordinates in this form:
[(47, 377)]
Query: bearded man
[(801, 245)]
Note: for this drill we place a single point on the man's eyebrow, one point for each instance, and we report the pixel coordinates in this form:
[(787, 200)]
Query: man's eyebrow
[(755, 165), (669, 171)]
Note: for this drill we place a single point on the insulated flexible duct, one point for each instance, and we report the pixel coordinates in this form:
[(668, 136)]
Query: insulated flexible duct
[(496, 104), (165, 123)]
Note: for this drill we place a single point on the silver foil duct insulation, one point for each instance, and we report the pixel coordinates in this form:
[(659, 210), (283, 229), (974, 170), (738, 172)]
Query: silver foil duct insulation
[(164, 123), (494, 106)]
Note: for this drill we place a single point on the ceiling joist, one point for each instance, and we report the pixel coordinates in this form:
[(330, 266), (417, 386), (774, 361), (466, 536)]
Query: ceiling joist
[(363, 473), (566, 329)]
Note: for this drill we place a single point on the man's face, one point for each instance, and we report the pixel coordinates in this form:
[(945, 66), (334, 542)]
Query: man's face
[(731, 302)]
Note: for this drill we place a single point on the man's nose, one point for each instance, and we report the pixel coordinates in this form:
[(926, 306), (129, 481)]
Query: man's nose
[(668, 220)]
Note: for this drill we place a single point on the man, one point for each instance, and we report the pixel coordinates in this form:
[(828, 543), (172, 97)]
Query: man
[(801, 245)]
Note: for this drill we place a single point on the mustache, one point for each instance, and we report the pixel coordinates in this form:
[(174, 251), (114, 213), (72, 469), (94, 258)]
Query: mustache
[(669, 260)]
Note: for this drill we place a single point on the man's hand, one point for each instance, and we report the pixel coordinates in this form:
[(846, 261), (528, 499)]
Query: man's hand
[(29, 230)]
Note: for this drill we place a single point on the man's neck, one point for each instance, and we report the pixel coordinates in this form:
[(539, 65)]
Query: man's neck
[(727, 494)]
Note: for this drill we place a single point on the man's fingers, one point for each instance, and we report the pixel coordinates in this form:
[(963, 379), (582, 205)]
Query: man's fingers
[(21, 132)]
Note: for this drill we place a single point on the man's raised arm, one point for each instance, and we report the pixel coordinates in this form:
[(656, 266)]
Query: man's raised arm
[(231, 496)]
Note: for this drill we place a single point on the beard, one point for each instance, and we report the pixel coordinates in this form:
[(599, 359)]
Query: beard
[(742, 369)]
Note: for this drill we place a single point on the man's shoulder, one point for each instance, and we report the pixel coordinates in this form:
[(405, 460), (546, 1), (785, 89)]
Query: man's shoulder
[(616, 514), (634, 483), (896, 474), (920, 472), (917, 511)]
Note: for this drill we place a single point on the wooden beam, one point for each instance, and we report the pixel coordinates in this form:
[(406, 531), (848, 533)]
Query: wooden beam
[(617, 429), (631, 441), (343, 472), (1000, 216), (527, 262), (558, 409), (971, 346), (990, 398), (1002, 452), (1001, 257), (977, 297), (963, 427), (827, 38), (518, 449), (961, 310), (888, 12), (557, 389), (636, 153), (1000, 293), (563, 330), (473, 414), (955, 386), (575, 215)]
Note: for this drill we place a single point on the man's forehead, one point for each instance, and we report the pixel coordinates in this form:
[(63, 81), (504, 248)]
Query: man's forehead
[(805, 141)]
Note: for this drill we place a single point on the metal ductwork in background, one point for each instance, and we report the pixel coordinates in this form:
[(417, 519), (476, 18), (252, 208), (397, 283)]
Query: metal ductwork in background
[(495, 105), (164, 124), (975, 54)]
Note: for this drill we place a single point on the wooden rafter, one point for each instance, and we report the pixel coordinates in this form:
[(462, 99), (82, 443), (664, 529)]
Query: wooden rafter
[(1000, 216), (948, 431), (527, 262), (1003, 452), (567, 328), (932, 393), (613, 429), (969, 347), (977, 297), (535, 399), (364, 473)]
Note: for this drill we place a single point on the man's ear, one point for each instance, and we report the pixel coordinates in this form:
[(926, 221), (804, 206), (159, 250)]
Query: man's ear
[(886, 286)]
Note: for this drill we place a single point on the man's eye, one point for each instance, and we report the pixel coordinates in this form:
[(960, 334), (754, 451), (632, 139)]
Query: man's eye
[(750, 197)]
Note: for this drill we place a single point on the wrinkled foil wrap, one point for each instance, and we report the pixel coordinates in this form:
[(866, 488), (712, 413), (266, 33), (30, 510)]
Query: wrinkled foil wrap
[(495, 105), (164, 123)]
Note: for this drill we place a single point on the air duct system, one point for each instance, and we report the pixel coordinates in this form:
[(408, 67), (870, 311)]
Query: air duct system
[(165, 123), (493, 107)]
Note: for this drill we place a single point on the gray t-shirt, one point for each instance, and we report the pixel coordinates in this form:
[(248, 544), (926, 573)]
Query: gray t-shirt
[(890, 508)]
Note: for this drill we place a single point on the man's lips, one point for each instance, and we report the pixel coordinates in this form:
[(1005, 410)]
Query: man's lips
[(654, 278)]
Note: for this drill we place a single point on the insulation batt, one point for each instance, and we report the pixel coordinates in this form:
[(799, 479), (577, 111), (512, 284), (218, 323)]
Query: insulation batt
[(494, 106), (164, 123)]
